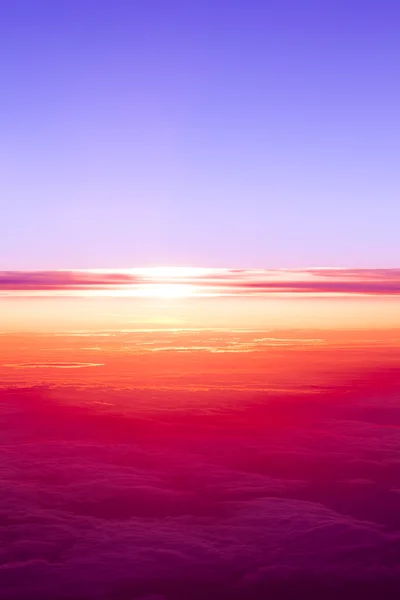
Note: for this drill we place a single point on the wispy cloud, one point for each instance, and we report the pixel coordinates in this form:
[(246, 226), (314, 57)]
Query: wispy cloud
[(52, 365)]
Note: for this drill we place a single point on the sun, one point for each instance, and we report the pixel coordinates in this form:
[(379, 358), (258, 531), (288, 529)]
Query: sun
[(169, 282)]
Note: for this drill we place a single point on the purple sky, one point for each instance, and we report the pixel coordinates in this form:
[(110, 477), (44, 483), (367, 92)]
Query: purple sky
[(214, 133)]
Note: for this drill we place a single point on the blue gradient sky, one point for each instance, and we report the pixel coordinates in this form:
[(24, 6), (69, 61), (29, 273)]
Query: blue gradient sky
[(213, 132)]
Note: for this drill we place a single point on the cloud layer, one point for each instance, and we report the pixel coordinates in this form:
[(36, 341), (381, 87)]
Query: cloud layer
[(204, 281), (273, 497)]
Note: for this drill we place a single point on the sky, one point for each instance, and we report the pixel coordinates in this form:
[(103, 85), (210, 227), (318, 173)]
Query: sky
[(199, 300), (257, 134)]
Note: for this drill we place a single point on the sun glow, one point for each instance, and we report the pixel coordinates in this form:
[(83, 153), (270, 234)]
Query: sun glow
[(172, 272), (167, 290), (162, 272)]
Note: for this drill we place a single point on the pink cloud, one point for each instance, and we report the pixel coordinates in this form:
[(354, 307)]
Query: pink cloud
[(281, 497), (215, 281)]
